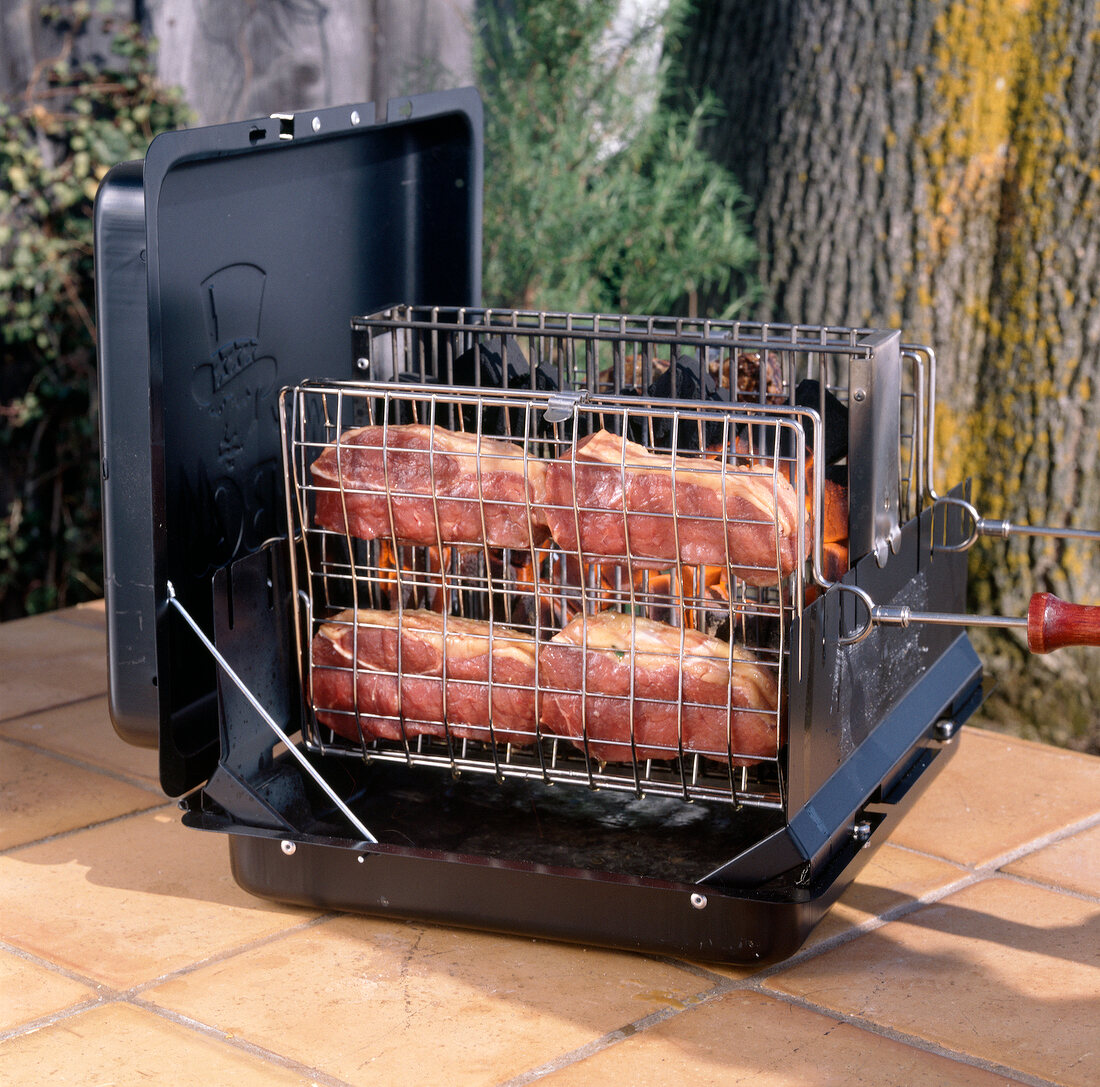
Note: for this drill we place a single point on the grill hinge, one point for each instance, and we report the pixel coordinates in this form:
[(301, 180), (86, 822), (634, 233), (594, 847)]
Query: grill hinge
[(874, 439), (562, 405)]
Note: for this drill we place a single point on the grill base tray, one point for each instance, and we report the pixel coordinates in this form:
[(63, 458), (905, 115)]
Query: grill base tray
[(588, 892), (705, 880)]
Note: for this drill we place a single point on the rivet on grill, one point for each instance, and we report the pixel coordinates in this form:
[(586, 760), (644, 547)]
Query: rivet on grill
[(859, 396), (861, 832), (362, 363), (699, 901), (316, 126), (355, 117), (287, 847), (945, 730)]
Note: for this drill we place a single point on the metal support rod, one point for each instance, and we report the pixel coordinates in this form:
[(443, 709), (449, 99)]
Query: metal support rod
[(268, 719), (981, 526), (903, 616), (1004, 529)]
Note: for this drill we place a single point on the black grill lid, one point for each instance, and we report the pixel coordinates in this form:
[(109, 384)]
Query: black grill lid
[(228, 266)]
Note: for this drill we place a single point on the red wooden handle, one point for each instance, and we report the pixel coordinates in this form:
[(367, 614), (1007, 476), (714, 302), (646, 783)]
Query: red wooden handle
[(1053, 623)]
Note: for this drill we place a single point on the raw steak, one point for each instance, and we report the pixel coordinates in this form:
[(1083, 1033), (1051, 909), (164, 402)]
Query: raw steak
[(624, 501), (358, 652), (689, 690), (429, 477)]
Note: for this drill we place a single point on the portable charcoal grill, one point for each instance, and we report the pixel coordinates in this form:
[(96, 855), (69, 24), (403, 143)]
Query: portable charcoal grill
[(228, 267)]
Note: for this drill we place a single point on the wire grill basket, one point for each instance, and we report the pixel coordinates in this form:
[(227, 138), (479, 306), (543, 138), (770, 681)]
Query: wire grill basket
[(571, 547)]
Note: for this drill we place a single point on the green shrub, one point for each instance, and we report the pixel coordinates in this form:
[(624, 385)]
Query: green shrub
[(597, 196), (57, 142)]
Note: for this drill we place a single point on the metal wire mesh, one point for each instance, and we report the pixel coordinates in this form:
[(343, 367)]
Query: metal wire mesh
[(568, 546)]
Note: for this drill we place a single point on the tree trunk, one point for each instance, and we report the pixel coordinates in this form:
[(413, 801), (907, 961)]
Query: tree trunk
[(931, 165), (1040, 414)]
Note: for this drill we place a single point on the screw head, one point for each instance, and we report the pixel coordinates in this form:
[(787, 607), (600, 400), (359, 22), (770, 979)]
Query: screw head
[(288, 847), (945, 730), (698, 901)]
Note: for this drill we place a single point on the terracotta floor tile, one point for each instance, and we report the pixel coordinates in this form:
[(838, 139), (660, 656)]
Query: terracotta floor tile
[(890, 878), (41, 795), (130, 901), (119, 1044), (1072, 863), (29, 992), (48, 660), (997, 794), (1001, 970), (382, 1002), (83, 730), (746, 1038), (92, 613)]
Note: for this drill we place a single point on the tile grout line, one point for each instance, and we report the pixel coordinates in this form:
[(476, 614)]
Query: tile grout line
[(164, 805), (53, 968), (114, 993), (912, 1041), (973, 876), (81, 764), (226, 955), (753, 984), (120, 998), (970, 875), (105, 993), (1053, 838), (985, 734), (55, 706), (60, 706), (1010, 856), (100, 626), (53, 1018), (614, 1037), (1032, 881), (269, 1056)]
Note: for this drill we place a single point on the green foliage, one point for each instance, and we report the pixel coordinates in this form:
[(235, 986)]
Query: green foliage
[(56, 144), (597, 196)]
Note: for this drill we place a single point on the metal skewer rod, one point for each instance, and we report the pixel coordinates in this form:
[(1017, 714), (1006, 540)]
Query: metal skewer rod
[(1004, 529), (981, 526), (903, 616), (1051, 623)]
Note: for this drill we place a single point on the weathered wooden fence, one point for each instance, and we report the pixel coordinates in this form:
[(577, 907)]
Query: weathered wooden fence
[(237, 59)]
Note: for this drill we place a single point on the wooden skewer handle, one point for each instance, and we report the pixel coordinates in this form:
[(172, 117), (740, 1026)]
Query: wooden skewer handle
[(1053, 623)]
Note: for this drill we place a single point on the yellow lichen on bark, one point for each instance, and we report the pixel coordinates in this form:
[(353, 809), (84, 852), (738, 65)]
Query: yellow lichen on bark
[(966, 151), (1023, 355), (1028, 359)]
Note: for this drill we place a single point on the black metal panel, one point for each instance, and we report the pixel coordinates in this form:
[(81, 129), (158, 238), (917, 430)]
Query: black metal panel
[(840, 694), (874, 434), (260, 249), (123, 354), (513, 894), (632, 914)]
